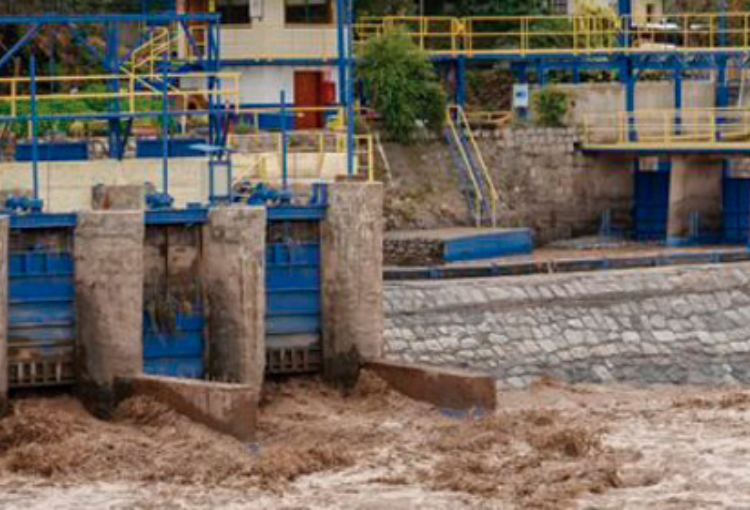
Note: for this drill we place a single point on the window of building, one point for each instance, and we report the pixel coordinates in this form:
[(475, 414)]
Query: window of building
[(308, 11), (558, 6), (650, 11), (234, 12)]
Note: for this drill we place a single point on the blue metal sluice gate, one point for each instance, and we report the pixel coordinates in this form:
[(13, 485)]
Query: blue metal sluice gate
[(176, 349), (735, 210), (651, 207), (293, 300), (42, 319)]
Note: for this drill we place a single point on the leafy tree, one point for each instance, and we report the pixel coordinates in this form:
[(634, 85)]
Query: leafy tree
[(399, 79), (550, 107)]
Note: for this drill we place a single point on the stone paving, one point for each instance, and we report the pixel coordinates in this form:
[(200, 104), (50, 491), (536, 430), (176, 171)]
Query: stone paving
[(688, 324)]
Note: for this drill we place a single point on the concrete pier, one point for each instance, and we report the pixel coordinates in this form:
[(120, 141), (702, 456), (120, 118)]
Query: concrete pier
[(127, 197), (352, 271), (4, 240), (694, 187), (109, 302), (234, 280)]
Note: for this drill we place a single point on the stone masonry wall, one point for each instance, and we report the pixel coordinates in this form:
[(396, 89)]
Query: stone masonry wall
[(546, 184), (688, 324)]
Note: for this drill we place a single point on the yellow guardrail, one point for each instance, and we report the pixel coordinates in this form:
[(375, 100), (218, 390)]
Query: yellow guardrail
[(478, 195), (566, 34), (696, 127), (14, 91), (310, 154), (491, 119)]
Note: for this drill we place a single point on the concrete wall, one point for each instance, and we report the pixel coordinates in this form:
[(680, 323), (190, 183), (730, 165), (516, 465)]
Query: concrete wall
[(546, 184), (4, 245), (270, 36), (695, 186), (234, 278), (109, 302), (66, 186), (608, 98), (666, 325), (352, 269)]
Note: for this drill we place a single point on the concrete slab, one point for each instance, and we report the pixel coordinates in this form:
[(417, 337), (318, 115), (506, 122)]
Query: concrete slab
[(446, 388), (455, 244), (227, 408)]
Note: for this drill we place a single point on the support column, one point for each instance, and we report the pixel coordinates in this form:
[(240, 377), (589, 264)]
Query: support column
[(4, 234), (109, 302), (234, 253), (352, 270), (694, 199)]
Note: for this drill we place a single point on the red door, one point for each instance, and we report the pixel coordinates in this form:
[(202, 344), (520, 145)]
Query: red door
[(308, 91)]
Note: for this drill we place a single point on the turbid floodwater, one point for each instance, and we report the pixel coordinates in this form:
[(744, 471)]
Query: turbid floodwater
[(550, 447)]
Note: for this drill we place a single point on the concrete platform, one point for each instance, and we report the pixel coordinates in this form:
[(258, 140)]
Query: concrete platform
[(414, 247), (446, 388), (228, 408)]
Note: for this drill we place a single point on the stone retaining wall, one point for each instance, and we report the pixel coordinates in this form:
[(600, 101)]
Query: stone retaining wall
[(688, 324)]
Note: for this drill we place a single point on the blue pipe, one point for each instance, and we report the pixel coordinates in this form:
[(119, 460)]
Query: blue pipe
[(341, 61), (34, 130), (165, 126), (284, 148)]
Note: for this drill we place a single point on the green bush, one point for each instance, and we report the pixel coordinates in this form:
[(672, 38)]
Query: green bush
[(550, 107), (402, 85)]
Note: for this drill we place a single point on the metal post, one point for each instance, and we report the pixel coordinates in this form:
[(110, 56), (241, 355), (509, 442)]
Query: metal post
[(677, 73), (625, 10), (284, 145), (34, 131), (165, 126), (341, 61), (113, 65), (350, 115), (461, 81)]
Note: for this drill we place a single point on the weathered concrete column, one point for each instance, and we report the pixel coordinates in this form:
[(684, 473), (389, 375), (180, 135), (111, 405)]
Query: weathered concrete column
[(234, 254), (4, 234), (352, 270), (127, 197), (694, 186), (109, 302)]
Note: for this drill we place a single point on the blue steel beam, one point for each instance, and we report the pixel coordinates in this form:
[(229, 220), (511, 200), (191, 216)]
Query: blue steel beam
[(55, 19), (23, 41)]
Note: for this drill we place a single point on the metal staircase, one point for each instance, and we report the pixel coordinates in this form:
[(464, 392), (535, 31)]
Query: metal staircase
[(474, 178)]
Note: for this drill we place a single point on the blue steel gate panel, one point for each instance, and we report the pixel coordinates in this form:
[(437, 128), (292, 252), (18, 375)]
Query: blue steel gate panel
[(293, 308), (42, 319), (735, 210), (651, 207), (177, 349)]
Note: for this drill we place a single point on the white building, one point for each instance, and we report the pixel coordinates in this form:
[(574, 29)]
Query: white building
[(277, 45)]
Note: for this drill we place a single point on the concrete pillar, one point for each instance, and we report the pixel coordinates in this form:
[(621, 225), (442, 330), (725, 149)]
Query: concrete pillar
[(694, 185), (234, 253), (4, 240), (352, 271), (109, 301), (118, 198)]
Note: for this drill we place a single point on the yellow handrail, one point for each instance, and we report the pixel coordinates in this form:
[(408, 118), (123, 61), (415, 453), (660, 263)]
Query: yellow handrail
[(494, 196), (19, 89), (317, 144), (478, 195), (710, 127), (574, 34)]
